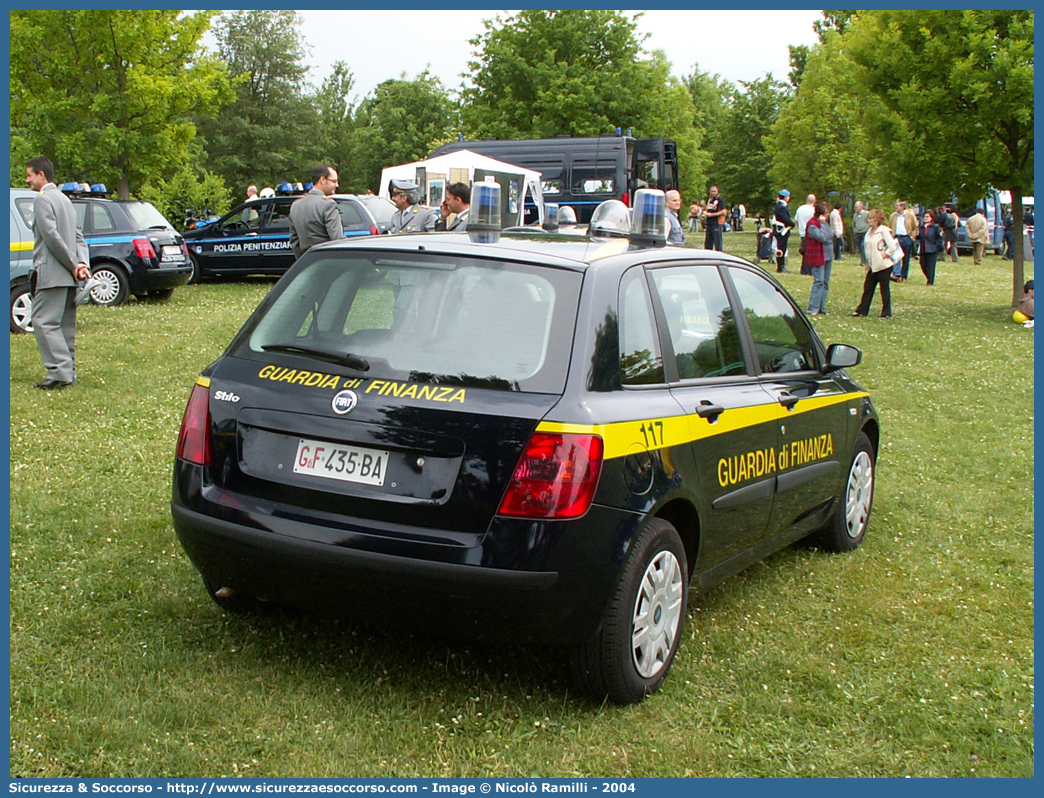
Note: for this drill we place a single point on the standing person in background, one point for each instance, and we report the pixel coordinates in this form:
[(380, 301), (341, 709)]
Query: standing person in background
[(801, 217), (409, 216), (882, 253), (715, 214), (250, 214), (694, 217), (314, 218), (903, 224), (742, 215), (979, 235), (458, 201), (860, 224), (675, 234), (837, 227), (932, 243), (782, 224), (819, 247), (949, 221), (59, 260), (1009, 237)]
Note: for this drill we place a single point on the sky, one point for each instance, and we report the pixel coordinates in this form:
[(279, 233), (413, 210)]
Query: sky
[(378, 45)]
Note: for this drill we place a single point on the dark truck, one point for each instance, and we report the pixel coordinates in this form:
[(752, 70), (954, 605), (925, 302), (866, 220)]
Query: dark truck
[(583, 172)]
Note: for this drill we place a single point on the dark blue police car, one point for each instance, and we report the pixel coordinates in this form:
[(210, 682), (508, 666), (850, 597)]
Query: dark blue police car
[(539, 436), (133, 248), (254, 238)]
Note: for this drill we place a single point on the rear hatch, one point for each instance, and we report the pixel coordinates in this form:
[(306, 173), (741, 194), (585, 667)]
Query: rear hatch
[(391, 393), (167, 243)]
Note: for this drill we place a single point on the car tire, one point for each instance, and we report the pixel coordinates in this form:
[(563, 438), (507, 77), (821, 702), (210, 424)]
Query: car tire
[(159, 295), (197, 271), (632, 653), (21, 309), (847, 525), (115, 285), (233, 603)]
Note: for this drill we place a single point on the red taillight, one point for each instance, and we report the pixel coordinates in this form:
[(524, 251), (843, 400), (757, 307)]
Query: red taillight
[(625, 198), (143, 248), (556, 477), (373, 230), (184, 250), (194, 438)]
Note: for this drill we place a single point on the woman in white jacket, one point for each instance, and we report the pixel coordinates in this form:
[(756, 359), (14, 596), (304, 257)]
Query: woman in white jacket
[(881, 251)]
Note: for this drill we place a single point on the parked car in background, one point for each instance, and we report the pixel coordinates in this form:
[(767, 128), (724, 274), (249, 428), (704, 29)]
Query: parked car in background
[(254, 238), (21, 217), (133, 249), (381, 208)]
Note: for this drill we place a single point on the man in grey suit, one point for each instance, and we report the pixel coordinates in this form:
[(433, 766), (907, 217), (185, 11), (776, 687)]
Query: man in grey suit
[(60, 259), (314, 218), (458, 201)]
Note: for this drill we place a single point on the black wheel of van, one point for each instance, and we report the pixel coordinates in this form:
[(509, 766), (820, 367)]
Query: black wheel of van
[(21, 309), (847, 526), (632, 653), (231, 601)]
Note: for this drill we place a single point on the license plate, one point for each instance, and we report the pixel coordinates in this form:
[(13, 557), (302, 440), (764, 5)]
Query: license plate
[(171, 252), (337, 461)]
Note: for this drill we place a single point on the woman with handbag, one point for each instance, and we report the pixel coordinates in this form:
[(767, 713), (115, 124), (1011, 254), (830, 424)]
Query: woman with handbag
[(882, 253), (819, 249), (932, 243)]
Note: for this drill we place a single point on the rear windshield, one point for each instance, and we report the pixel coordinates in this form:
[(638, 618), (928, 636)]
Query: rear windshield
[(424, 318), (381, 209), (145, 216)]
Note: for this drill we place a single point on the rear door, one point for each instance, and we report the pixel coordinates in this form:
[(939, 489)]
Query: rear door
[(730, 416), (275, 255), (811, 408), (654, 164), (230, 244)]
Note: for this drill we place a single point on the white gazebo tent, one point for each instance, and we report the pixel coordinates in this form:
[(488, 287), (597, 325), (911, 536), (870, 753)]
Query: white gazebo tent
[(464, 166)]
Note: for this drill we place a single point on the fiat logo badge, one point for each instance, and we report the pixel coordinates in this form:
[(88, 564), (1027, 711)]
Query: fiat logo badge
[(345, 402)]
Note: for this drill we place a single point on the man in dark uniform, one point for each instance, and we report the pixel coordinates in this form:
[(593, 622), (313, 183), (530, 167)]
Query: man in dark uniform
[(782, 224), (410, 217), (715, 214), (314, 218)]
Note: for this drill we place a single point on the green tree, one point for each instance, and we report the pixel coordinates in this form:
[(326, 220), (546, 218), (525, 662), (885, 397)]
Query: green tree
[(742, 165), (541, 74), (336, 123), (267, 134), (820, 143), (958, 89), (109, 95), (400, 122)]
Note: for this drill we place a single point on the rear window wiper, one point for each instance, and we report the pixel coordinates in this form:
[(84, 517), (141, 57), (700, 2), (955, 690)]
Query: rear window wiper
[(340, 358)]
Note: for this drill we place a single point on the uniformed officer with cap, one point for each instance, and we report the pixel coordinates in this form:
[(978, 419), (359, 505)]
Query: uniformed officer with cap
[(410, 217)]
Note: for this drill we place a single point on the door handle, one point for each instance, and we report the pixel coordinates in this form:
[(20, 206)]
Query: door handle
[(709, 411), (787, 399)]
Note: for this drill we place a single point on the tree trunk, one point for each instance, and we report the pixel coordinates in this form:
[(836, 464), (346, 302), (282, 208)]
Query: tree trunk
[(1018, 271), (122, 187)]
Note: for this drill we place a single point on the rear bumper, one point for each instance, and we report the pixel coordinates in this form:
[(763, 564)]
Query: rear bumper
[(159, 278), (524, 581)]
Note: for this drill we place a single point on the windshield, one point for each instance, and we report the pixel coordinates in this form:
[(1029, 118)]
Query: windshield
[(145, 215), (424, 318)]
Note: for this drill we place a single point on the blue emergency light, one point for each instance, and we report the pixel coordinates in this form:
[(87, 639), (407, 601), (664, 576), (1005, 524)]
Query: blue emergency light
[(551, 216), (649, 222), (484, 217)]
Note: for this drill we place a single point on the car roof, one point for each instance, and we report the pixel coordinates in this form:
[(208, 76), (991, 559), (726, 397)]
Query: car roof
[(551, 249)]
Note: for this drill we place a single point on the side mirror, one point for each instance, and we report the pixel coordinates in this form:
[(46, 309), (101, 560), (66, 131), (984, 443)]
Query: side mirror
[(842, 356)]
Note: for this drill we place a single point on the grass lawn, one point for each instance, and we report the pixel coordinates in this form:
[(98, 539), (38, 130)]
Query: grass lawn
[(912, 656)]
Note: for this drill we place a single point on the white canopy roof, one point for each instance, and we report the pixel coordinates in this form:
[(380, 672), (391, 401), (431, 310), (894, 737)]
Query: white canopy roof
[(1005, 198), (466, 159)]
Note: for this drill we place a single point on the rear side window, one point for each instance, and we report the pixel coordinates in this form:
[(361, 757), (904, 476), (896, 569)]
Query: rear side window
[(145, 215), (427, 318), (101, 220), (700, 321), (594, 179), (783, 342), (351, 216), (25, 210), (640, 360), (279, 221)]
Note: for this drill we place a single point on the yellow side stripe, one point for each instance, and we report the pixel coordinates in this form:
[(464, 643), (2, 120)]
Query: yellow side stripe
[(21, 246), (623, 437)]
